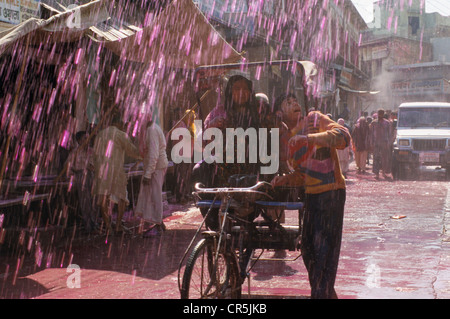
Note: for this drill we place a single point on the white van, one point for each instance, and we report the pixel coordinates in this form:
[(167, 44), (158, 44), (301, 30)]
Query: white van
[(423, 134)]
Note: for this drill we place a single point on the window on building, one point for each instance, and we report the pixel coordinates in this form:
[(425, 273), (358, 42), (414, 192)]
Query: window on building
[(414, 24), (366, 67), (378, 67)]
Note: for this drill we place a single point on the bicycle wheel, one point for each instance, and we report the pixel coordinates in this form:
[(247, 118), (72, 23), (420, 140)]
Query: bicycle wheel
[(203, 279)]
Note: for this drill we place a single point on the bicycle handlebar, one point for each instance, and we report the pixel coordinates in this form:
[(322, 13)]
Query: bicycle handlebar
[(227, 190)]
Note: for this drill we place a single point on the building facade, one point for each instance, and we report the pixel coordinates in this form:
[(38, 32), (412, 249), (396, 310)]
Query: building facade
[(405, 53)]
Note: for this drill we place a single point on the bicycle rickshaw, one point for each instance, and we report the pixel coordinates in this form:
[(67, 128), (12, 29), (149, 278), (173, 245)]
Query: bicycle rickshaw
[(250, 219)]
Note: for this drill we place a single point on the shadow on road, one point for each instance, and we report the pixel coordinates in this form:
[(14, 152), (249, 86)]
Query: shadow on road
[(151, 258), (20, 288)]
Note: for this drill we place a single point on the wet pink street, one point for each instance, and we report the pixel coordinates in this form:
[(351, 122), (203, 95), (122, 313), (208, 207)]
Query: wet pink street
[(395, 245)]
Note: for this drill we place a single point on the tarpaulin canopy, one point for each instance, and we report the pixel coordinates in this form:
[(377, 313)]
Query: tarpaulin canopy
[(180, 36), (62, 27), (307, 69), (345, 88)]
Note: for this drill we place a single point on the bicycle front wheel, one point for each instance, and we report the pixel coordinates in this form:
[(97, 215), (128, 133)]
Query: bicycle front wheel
[(208, 277)]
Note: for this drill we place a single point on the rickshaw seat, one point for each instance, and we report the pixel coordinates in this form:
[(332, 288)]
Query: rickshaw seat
[(283, 205), (206, 203)]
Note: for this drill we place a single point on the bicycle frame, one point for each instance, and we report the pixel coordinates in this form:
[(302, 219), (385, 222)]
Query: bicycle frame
[(233, 223), (226, 196)]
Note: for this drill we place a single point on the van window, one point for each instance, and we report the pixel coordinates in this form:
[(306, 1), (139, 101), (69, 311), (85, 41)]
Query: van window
[(424, 117)]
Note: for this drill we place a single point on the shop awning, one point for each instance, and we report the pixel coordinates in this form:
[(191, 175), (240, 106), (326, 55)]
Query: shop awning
[(179, 36), (66, 26), (345, 88)]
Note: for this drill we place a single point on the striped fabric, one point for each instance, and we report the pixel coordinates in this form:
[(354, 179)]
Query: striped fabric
[(317, 167)]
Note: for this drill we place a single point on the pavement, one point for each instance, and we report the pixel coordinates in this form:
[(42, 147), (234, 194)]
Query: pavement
[(390, 250)]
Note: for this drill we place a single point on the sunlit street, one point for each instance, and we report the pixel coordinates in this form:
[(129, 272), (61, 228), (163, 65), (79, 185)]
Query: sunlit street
[(224, 149)]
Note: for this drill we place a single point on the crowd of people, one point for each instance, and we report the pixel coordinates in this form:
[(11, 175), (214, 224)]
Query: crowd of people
[(100, 180), (314, 156), (372, 137)]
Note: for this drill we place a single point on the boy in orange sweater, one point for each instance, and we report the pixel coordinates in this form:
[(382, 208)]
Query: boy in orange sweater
[(313, 155)]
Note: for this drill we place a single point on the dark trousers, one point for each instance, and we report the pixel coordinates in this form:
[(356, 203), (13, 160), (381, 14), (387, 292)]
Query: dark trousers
[(321, 240), (83, 181), (382, 159)]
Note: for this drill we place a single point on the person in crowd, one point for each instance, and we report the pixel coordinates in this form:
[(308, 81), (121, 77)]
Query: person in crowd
[(345, 154), (381, 137), (369, 120), (287, 121), (267, 118), (181, 184), (111, 146), (360, 137), (80, 164), (238, 110), (345, 113), (314, 158), (289, 125), (152, 146)]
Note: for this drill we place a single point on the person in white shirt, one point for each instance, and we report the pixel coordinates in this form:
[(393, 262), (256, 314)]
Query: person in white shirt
[(152, 145), (110, 147)]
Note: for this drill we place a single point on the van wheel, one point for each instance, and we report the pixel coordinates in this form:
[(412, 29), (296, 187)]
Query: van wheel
[(447, 173), (395, 169), (398, 171), (413, 172)]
